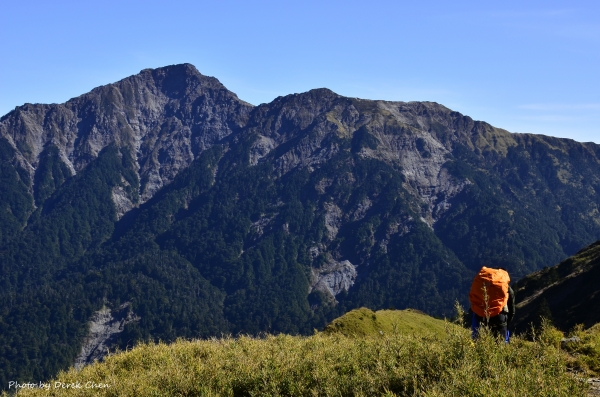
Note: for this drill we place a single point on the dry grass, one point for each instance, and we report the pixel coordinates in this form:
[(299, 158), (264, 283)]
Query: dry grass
[(393, 364)]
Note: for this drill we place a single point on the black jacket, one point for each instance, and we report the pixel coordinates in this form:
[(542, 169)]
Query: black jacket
[(511, 304)]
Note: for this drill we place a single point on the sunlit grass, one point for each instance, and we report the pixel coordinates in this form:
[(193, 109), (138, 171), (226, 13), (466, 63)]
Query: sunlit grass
[(585, 351), (331, 365), (363, 321)]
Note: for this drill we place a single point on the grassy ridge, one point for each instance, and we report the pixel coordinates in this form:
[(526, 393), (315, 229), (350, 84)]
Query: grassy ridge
[(393, 364), (363, 321)]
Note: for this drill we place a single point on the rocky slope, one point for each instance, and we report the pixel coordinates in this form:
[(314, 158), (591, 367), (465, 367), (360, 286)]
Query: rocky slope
[(450, 164), (210, 215), (103, 326), (165, 117)]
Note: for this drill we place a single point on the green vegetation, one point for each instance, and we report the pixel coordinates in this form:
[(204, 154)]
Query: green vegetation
[(42, 277), (584, 348), (522, 210), (393, 364), (15, 201), (566, 293), (50, 174), (363, 322)]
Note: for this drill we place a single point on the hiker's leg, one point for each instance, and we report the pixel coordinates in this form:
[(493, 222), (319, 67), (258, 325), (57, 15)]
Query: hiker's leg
[(475, 323), (499, 326), (503, 332)]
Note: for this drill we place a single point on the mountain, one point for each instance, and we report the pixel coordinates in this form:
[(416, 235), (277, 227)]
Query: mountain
[(567, 294), (162, 206), (164, 117)]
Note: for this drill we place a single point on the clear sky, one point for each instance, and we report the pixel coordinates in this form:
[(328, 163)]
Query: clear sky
[(526, 66)]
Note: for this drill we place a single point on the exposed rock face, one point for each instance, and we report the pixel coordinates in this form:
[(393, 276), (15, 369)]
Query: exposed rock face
[(305, 118), (168, 116), (105, 324), (402, 133), (361, 209), (260, 225), (260, 149), (333, 219), (333, 278), (165, 116), (121, 199)]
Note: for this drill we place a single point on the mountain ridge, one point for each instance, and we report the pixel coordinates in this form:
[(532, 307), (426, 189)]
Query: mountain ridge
[(169, 100), (214, 216)]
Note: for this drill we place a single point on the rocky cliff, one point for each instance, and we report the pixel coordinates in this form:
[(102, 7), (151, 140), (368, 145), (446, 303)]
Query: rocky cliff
[(165, 117)]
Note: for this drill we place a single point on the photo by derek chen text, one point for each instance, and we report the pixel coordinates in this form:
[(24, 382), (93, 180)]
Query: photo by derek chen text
[(14, 385)]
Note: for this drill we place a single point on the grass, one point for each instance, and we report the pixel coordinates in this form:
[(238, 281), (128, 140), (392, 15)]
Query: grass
[(584, 353), (363, 321), (342, 131), (331, 364)]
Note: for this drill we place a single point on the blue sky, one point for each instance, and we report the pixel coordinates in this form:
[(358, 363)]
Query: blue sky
[(526, 66)]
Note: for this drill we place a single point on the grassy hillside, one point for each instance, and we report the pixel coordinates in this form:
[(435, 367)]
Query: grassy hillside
[(392, 364), (584, 349), (567, 293), (363, 322)]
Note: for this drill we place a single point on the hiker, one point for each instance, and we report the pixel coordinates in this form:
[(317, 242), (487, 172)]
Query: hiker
[(492, 302)]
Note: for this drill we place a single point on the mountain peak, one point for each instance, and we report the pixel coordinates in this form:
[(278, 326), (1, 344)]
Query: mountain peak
[(179, 67), (165, 117), (175, 81)]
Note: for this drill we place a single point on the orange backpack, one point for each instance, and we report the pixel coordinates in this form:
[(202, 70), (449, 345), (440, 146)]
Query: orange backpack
[(494, 284)]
